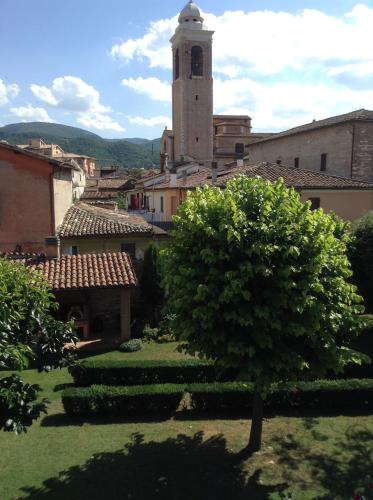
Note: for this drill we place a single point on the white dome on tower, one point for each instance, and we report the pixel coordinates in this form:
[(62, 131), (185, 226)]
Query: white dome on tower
[(190, 17)]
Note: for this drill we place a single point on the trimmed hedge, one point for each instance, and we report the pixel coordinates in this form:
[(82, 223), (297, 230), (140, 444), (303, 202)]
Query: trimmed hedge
[(144, 372), (351, 394), (322, 395), (101, 400)]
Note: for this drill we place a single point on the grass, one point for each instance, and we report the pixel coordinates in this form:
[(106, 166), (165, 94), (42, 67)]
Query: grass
[(149, 351), (313, 458)]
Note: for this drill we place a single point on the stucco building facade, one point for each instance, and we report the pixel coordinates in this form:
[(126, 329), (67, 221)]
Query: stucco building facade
[(35, 194), (341, 145)]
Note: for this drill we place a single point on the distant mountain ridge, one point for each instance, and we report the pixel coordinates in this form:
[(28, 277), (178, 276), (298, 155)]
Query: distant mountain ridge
[(126, 153)]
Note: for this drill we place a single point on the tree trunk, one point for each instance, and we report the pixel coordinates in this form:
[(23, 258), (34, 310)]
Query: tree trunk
[(255, 440)]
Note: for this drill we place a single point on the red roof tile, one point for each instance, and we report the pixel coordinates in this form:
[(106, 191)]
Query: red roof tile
[(76, 272), (295, 177), (86, 220)]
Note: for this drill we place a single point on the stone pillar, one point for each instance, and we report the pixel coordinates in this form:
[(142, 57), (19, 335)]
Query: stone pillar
[(125, 314)]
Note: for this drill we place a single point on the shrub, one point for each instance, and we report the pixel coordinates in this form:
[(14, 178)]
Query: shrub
[(353, 394), (131, 345), (150, 334), (186, 371), (100, 400)]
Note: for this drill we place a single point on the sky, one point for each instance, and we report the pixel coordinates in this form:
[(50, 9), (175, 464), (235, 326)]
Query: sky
[(105, 65)]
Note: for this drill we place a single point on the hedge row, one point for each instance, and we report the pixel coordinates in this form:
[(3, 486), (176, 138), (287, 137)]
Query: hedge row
[(321, 395), (350, 394), (185, 371), (144, 372), (114, 401)]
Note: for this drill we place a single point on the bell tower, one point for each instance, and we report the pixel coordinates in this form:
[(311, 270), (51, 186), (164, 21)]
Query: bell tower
[(192, 87)]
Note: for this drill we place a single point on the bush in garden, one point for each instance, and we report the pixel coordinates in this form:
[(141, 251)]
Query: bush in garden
[(131, 345)]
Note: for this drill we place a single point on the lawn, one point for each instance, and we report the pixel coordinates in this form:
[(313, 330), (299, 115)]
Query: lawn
[(179, 459)]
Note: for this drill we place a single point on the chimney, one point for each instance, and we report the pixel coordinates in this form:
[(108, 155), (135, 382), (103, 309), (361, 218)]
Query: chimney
[(185, 175), (173, 178), (163, 161), (214, 171), (52, 245)]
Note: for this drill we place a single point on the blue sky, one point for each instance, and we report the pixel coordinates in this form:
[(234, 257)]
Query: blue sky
[(104, 65)]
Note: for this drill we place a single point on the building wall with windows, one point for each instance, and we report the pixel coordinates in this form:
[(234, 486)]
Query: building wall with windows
[(133, 245), (350, 205), (345, 149), (305, 150)]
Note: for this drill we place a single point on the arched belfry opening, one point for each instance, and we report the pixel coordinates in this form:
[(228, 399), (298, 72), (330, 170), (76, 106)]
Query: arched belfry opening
[(197, 61), (177, 64)]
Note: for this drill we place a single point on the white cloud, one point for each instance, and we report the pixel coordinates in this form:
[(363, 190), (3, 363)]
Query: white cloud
[(7, 92), (74, 94), (99, 121), (31, 114), (283, 69), (154, 45), (44, 94), (278, 106), (151, 122), (265, 42), (152, 87)]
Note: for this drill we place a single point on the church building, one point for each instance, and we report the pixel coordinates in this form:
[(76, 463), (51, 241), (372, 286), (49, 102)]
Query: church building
[(198, 136)]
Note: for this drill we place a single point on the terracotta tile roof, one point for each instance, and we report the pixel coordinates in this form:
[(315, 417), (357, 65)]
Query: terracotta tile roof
[(359, 115), (76, 272), (295, 177), (90, 221), (114, 183), (98, 195)]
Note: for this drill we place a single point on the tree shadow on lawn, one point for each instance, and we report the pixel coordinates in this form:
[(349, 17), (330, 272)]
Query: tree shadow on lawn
[(344, 470), (181, 468)]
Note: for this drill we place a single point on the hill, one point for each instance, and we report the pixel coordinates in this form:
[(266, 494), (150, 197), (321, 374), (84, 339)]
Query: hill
[(126, 153)]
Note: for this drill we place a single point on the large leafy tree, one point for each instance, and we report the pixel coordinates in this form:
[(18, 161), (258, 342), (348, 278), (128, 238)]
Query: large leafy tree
[(361, 255), (150, 285), (260, 282), (28, 331)]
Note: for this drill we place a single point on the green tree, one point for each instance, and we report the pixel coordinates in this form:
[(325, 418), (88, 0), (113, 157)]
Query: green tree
[(28, 331), (260, 282), (150, 285), (361, 256)]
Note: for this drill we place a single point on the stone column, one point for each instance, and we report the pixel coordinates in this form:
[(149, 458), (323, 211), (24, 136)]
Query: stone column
[(125, 314)]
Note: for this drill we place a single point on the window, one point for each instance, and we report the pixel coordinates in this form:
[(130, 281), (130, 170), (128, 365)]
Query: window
[(197, 61), (74, 250), (323, 161), (196, 97), (162, 206), (278, 162), (296, 162), (177, 64), (197, 139), (239, 148), (129, 248), (315, 203)]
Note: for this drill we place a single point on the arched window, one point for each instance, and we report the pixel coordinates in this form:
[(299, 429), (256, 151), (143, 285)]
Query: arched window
[(240, 148), (177, 64), (197, 61)]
